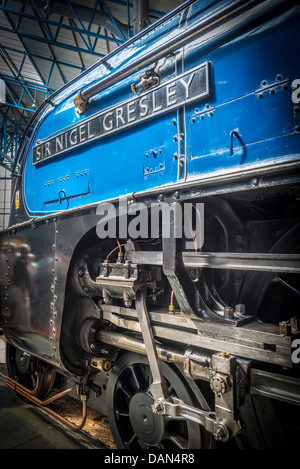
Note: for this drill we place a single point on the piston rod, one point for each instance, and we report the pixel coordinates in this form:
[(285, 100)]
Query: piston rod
[(195, 364)]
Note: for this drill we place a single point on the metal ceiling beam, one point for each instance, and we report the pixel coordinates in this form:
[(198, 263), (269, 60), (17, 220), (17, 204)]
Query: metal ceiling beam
[(50, 17), (51, 40), (77, 12), (10, 135), (25, 53), (140, 15)]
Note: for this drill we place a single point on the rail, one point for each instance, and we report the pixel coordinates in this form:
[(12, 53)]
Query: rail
[(218, 18)]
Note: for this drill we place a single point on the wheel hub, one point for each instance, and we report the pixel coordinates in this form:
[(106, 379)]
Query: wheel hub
[(148, 427), (22, 361)]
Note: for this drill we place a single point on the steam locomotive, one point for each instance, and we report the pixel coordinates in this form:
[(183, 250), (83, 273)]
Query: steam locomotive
[(151, 263)]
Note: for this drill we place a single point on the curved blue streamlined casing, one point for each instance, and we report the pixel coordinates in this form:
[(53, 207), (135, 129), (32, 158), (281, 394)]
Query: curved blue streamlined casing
[(241, 114)]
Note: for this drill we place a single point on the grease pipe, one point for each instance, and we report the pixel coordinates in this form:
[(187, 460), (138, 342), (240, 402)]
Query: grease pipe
[(20, 389)]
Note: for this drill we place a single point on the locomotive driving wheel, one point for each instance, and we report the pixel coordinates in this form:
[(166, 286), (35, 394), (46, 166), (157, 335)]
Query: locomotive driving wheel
[(133, 424), (22, 369)]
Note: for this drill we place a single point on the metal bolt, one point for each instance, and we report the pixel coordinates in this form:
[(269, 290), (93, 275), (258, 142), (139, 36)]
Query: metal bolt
[(228, 312), (240, 309), (285, 328), (219, 384), (157, 407), (224, 354), (219, 433)]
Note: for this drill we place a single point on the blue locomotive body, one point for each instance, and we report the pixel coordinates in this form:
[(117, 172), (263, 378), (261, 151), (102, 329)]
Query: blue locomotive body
[(202, 109), (234, 86)]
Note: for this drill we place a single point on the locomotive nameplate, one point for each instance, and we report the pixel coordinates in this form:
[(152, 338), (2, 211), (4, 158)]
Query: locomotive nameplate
[(184, 89)]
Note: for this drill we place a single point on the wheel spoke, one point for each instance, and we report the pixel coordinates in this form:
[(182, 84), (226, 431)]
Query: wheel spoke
[(171, 390), (125, 389), (121, 413), (140, 381), (287, 285), (131, 441), (179, 441)]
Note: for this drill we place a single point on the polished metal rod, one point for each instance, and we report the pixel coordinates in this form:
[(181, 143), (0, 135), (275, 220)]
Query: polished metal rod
[(289, 263), (216, 19)]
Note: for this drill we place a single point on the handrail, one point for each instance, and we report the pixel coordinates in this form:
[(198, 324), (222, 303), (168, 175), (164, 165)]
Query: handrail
[(103, 60), (208, 24)]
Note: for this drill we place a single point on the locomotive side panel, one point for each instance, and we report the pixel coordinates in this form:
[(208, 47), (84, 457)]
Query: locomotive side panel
[(237, 113), (28, 291), (250, 119)]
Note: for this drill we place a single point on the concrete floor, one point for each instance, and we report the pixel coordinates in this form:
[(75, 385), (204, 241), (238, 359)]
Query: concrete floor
[(25, 426)]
